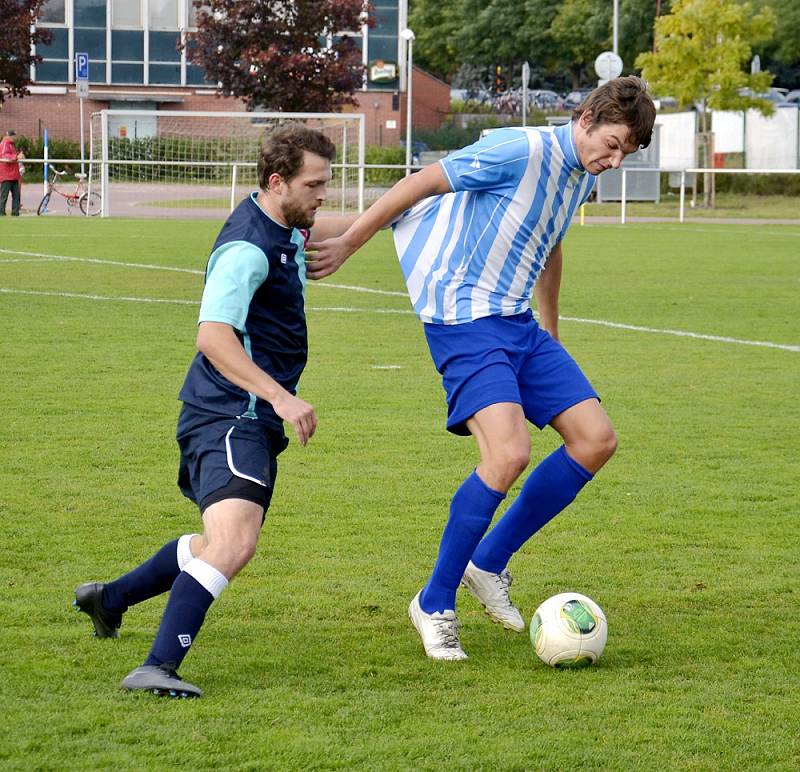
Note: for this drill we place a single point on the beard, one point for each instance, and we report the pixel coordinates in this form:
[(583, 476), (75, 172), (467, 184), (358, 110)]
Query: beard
[(296, 216)]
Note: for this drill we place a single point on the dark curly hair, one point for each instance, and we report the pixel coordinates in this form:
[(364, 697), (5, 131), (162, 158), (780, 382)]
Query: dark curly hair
[(283, 151), (622, 100)]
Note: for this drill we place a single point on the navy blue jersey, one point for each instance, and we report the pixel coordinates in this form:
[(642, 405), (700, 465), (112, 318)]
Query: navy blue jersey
[(255, 281)]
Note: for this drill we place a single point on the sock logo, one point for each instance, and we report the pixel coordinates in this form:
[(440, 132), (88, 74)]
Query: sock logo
[(185, 640)]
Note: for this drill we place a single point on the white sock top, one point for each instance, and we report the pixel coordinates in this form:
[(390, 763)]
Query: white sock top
[(185, 550), (206, 575)]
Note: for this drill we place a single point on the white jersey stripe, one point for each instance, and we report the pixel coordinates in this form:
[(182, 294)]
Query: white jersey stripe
[(478, 250)]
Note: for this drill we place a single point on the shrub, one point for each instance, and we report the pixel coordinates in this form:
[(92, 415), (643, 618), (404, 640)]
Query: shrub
[(57, 148)]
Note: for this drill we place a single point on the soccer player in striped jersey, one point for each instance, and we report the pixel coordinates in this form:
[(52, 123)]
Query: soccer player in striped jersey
[(476, 235)]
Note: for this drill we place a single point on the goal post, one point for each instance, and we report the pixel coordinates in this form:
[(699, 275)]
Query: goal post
[(176, 163)]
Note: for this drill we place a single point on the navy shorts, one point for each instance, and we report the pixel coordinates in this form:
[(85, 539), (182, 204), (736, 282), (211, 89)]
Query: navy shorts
[(226, 458), (504, 359)]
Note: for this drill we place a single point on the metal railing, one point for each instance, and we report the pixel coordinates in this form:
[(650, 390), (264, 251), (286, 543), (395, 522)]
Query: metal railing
[(363, 168)]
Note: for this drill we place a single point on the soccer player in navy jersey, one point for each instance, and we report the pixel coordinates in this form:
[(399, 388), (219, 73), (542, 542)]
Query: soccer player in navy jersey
[(476, 235), (238, 392)]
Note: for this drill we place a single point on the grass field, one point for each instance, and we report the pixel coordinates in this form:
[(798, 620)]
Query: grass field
[(688, 539), (728, 206)]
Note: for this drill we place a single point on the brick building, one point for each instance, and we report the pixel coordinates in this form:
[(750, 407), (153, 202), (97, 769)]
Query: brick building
[(135, 63)]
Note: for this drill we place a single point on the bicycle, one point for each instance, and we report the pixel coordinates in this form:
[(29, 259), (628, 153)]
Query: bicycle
[(89, 204)]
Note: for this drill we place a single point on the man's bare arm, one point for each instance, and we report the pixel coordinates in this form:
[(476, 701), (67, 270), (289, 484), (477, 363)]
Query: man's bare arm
[(327, 256), (546, 291), (219, 344)]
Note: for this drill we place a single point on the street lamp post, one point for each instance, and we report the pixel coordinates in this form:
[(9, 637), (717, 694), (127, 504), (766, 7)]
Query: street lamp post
[(408, 35)]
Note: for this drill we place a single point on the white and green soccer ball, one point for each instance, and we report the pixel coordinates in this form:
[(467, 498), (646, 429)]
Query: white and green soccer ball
[(569, 630)]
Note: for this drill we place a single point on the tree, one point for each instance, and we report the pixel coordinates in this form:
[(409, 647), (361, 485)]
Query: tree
[(18, 18), (559, 38), (581, 30), (436, 24), (781, 55), (274, 54), (702, 51)]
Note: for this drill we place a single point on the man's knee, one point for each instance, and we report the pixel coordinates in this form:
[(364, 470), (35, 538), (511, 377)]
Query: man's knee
[(505, 463), (594, 448)]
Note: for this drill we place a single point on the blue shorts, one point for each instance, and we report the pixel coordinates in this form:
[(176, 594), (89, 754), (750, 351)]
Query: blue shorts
[(225, 458), (504, 359)]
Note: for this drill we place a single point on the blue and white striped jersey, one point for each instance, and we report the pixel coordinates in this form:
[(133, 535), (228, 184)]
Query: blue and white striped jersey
[(477, 251)]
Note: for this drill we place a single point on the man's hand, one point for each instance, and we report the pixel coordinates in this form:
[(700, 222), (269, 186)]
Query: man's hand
[(298, 413), (326, 257)]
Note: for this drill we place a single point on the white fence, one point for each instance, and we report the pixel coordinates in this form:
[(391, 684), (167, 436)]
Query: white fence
[(771, 142), (150, 200)]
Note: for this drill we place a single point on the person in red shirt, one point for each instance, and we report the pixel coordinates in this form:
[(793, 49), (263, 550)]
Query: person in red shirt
[(10, 178)]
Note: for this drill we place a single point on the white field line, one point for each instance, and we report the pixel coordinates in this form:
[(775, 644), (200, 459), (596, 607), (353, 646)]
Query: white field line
[(80, 296), (98, 261), (348, 309)]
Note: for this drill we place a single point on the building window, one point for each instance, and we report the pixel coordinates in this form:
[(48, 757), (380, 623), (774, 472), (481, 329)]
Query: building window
[(127, 65), (53, 12), (126, 13), (90, 13), (52, 72), (127, 72), (192, 11), (165, 74), (58, 48), (164, 14)]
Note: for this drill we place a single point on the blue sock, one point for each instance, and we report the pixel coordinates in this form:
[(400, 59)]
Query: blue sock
[(192, 594), (549, 488), (471, 511), (151, 578)]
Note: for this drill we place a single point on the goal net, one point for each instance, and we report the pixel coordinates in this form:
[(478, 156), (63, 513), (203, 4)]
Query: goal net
[(162, 163)]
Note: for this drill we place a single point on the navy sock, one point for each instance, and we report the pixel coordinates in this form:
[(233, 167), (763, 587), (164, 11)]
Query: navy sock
[(471, 511), (550, 487), (183, 617), (151, 578)]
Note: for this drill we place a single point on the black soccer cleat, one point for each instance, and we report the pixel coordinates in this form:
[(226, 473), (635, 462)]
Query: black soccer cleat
[(160, 680), (89, 600)]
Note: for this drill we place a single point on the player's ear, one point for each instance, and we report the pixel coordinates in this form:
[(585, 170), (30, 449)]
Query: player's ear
[(586, 119), (274, 182)]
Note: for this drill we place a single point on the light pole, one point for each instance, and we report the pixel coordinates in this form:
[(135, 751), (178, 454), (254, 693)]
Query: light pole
[(408, 35)]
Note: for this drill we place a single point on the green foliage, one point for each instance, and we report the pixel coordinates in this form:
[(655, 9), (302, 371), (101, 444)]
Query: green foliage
[(559, 39), (451, 136), (437, 25), (375, 154), (703, 50), (57, 148), (173, 149), (471, 106), (687, 539), (581, 29), (759, 184), (785, 45)]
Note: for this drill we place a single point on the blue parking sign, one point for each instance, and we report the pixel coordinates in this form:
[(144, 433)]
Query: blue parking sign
[(82, 66)]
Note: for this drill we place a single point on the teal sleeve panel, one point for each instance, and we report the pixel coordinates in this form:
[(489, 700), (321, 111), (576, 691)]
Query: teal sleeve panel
[(235, 271), (300, 256)]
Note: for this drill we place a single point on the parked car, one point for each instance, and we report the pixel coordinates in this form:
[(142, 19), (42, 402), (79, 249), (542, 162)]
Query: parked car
[(545, 100), (665, 103), (774, 94), (417, 148), (793, 96), (479, 95), (575, 98)]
